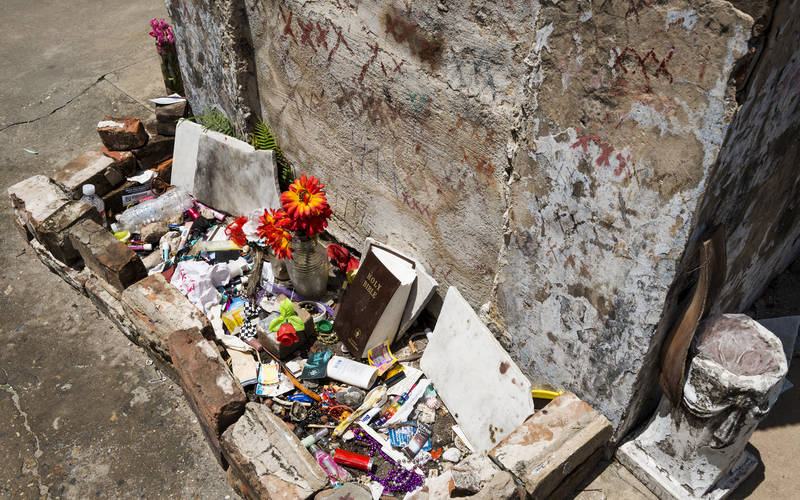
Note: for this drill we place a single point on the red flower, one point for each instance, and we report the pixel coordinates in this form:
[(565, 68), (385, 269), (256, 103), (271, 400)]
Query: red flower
[(287, 335), (352, 265), (341, 258), (235, 233), (306, 206)]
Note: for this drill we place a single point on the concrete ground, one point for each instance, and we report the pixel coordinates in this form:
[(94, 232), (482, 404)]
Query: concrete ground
[(84, 412)]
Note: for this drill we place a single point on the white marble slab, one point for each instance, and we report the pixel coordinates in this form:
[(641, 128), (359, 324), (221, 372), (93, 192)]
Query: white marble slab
[(483, 388), (233, 177), (184, 153)]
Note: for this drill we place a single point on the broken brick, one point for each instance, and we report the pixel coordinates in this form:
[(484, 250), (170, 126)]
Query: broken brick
[(157, 309), (54, 231), (122, 134), (268, 458), (167, 116), (107, 257), (215, 395), (88, 168), (126, 162), (552, 443), (34, 200), (157, 150)]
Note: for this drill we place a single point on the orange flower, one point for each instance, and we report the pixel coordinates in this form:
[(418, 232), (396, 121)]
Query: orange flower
[(306, 205), (273, 231)]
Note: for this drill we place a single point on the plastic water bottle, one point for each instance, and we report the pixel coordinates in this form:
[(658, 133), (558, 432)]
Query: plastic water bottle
[(91, 198), (173, 202)]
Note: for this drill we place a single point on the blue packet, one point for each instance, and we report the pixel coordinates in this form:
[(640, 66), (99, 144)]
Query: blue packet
[(400, 436)]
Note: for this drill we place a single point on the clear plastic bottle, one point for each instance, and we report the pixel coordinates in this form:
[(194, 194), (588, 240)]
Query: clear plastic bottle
[(91, 198), (173, 202)]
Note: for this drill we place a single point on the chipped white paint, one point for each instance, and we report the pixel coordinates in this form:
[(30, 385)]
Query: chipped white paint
[(685, 18), (110, 123), (715, 118), (541, 38), (208, 349), (639, 250), (225, 382)]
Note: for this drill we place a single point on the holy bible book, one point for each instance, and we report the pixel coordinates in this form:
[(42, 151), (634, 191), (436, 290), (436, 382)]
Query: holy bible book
[(373, 304)]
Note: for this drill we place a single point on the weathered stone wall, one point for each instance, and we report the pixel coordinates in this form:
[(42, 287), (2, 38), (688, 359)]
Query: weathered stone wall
[(546, 159), (754, 188), (215, 55), (405, 113), (627, 107)]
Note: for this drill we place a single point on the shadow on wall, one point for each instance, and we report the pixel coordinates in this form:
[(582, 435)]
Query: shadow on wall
[(751, 190)]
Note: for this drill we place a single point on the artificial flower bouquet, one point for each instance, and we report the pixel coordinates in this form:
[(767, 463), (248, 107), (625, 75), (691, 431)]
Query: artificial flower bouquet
[(304, 211)]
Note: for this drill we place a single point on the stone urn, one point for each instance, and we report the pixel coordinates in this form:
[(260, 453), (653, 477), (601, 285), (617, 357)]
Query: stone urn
[(697, 448)]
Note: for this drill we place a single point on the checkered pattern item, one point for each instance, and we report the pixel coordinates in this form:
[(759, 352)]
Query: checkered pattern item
[(247, 330), (250, 310)]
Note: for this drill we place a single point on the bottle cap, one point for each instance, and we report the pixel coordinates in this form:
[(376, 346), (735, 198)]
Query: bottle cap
[(88, 189)]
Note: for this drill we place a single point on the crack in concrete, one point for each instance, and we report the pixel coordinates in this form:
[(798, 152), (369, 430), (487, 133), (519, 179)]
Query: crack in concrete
[(58, 108), (86, 89), (32, 469)]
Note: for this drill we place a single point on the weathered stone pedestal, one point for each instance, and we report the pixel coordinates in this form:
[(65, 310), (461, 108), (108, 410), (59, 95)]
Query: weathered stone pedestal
[(697, 449)]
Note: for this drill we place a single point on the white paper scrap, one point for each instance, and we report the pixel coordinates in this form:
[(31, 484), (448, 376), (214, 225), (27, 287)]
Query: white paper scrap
[(405, 410), (376, 489), (405, 385), (143, 176), (170, 99)]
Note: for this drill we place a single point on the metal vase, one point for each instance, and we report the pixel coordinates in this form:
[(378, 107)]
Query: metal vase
[(308, 267)]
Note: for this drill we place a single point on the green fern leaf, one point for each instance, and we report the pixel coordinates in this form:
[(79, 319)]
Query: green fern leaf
[(262, 138), (214, 119)]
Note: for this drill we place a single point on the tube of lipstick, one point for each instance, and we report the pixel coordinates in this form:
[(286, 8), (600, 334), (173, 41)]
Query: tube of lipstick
[(354, 460)]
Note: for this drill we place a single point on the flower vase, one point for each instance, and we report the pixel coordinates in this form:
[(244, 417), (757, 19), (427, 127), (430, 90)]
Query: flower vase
[(171, 71), (308, 267)]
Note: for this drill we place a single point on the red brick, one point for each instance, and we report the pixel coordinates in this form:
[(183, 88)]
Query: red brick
[(107, 257), (54, 231), (88, 168), (555, 441), (157, 150), (122, 134), (35, 199), (44, 213), (157, 309), (213, 392), (125, 161)]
